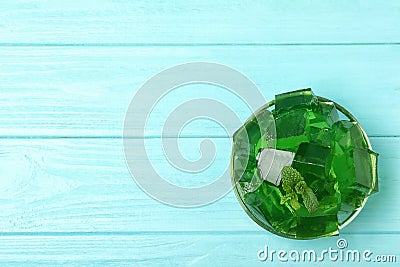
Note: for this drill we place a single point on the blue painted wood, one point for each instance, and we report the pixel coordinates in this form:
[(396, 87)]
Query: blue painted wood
[(68, 70), (181, 249), (198, 22), (83, 185), (58, 91)]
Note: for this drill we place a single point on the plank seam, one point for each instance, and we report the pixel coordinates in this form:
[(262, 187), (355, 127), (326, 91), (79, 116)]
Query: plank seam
[(191, 44), (164, 233), (23, 137)]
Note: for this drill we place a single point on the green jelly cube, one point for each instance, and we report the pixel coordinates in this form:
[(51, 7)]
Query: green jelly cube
[(243, 159), (318, 226), (291, 143), (325, 114), (291, 123), (329, 110), (343, 169), (313, 153), (253, 199), (246, 143), (266, 122), (291, 129), (312, 158), (313, 162), (267, 199), (349, 135), (353, 198), (309, 171), (244, 167), (365, 163), (253, 131), (329, 204), (242, 147), (322, 137), (357, 136), (286, 101), (330, 201)]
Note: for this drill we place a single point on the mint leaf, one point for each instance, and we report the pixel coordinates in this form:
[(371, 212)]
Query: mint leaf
[(293, 184)]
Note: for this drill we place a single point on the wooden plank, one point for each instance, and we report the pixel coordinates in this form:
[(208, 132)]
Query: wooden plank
[(205, 249), (83, 185), (194, 22), (85, 92)]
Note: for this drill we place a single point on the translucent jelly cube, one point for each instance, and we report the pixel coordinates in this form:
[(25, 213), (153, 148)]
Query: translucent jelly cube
[(265, 205), (243, 158), (322, 137), (365, 164), (286, 101), (247, 141), (266, 123), (324, 114), (319, 226), (250, 131), (356, 174), (312, 153), (291, 129), (279, 216), (313, 163), (321, 119), (349, 135), (313, 159)]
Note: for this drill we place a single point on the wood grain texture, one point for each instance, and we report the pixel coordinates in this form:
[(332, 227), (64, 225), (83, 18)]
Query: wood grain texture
[(58, 91), (198, 22), (175, 249), (83, 185), (68, 70)]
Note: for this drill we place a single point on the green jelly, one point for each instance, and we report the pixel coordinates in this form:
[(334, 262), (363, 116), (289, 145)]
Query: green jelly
[(333, 157), (299, 98), (322, 137), (365, 162), (289, 137), (349, 135), (311, 159), (313, 162), (325, 115)]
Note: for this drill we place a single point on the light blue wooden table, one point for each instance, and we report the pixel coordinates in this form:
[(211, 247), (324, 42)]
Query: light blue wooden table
[(68, 70)]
